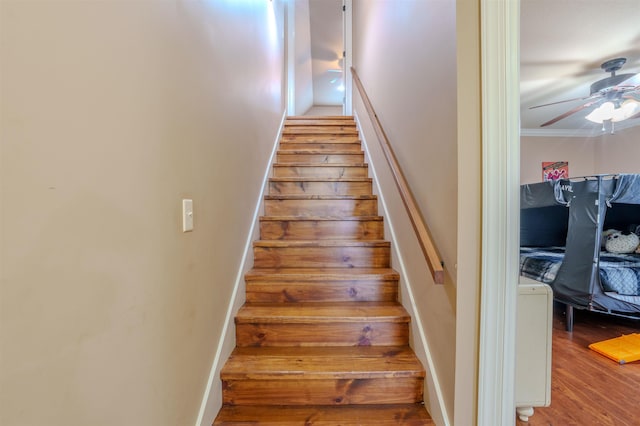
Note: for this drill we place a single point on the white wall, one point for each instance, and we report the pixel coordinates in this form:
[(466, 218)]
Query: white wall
[(405, 54), (111, 113)]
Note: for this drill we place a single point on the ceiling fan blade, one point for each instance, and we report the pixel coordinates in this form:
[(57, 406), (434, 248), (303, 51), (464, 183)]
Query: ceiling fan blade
[(570, 112), (632, 94), (629, 81), (566, 100)]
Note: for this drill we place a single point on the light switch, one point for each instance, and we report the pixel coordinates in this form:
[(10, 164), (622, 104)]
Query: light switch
[(187, 215)]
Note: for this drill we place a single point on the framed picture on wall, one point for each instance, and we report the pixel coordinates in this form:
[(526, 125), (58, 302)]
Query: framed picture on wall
[(552, 170)]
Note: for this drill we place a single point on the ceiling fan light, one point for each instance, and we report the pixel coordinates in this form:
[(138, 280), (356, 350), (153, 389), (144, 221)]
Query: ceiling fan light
[(602, 113), (631, 107), (595, 117), (626, 110)]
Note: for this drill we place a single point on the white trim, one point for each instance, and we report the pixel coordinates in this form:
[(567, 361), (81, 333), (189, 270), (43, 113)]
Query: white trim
[(290, 35), (499, 22), (227, 330), (412, 308), (563, 133), (593, 132)]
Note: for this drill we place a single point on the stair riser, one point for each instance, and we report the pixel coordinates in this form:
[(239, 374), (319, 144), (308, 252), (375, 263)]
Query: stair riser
[(322, 415), (323, 392), (319, 188), (333, 131), (325, 291), (323, 334), (334, 172), (347, 122), (321, 207), (322, 146), (321, 257), (321, 230), (338, 139), (335, 127), (355, 158)]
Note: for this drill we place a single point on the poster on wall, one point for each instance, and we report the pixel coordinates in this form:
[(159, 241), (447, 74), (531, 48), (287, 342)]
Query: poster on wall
[(552, 170)]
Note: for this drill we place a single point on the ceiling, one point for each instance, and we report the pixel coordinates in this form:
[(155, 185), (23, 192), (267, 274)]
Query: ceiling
[(562, 45)]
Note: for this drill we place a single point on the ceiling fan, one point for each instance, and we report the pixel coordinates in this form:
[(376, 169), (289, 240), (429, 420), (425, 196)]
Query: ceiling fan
[(615, 97)]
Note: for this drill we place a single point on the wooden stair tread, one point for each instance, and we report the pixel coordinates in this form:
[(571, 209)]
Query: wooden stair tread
[(325, 126), (319, 117), (312, 150), (324, 123), (317, 147), (321, 243), (309, 363), (320, 130), (322, 218), (320, 312), (319, 179), (320, 415), (320, 274), (365, 165), (320, 197), (315, 138)]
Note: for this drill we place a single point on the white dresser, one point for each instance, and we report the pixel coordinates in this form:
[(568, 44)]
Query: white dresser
[(533, 347)]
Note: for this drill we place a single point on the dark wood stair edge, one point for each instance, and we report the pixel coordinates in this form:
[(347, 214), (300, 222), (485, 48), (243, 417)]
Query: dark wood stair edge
[(408, 414)]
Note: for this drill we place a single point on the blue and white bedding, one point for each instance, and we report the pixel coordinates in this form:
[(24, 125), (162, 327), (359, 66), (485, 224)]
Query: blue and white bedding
[(541, 263), (619, 273)]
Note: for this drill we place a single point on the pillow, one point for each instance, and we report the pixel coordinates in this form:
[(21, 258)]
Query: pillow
[(622, 242), (605, 235)]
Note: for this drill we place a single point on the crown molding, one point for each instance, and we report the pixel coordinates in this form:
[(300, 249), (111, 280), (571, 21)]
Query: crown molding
[(595, 131)]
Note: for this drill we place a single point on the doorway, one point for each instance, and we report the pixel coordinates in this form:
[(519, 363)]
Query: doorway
[(319, 57)]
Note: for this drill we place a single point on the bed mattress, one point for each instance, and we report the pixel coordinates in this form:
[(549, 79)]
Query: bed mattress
[(619, 273)]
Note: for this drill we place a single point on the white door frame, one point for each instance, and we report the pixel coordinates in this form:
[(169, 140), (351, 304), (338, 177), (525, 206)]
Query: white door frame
[(347, 36), (290, 54), (500, 30)]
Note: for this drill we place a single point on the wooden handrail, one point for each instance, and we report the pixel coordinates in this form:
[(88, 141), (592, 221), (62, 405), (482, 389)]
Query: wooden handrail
[(436, 266)]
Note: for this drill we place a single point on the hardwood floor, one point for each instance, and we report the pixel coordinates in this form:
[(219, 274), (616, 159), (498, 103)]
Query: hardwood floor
[(588, 388)]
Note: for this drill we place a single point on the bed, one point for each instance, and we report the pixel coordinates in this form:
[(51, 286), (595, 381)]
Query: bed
[(619, 273), (561, 225)]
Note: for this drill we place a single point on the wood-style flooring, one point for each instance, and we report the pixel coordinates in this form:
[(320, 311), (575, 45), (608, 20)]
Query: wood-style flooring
[(588, 388)]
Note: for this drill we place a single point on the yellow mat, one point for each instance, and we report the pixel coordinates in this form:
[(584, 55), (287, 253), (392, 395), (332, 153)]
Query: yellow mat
[(622, 349)]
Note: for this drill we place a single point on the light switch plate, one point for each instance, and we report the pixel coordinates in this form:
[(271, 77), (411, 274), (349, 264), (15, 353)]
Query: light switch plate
[(187, 215)]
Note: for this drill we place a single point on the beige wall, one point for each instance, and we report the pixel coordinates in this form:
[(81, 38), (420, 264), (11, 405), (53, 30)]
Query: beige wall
[(579, 152), (405, 54), (617, 153), (111, 113)]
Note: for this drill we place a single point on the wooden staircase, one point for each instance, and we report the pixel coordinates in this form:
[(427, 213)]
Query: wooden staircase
[(322, 339)]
